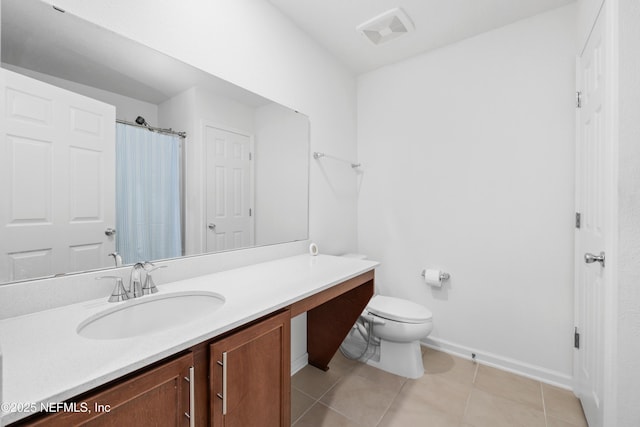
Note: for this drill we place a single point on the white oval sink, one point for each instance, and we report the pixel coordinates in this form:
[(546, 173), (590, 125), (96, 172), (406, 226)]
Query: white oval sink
[(150, 314)]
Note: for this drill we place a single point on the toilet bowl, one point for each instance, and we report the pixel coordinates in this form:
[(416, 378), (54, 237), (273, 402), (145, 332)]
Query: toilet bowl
[(399, 324)]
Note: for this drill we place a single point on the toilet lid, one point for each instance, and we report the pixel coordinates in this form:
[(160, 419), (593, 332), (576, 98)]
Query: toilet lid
[(398, 309)]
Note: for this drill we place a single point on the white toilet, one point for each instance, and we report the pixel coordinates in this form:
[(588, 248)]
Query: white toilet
[(399, 324)]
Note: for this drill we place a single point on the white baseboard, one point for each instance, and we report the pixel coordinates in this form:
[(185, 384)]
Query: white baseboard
[(537, 373), (299, 363)]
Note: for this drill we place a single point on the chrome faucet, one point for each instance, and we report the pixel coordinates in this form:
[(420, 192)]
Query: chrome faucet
[(117, 259), (135, 289), (118, 294), (149, 286), (135, 281)]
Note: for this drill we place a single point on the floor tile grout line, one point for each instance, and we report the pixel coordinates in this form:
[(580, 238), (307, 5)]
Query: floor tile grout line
[(544, 406), (304, 413), (473, 386), (475, 372), (332, 387), (318, 399), (391, 402), (340, 413), (539, 383), (466, 406), (352, 372), (306, 410), (305, 393)]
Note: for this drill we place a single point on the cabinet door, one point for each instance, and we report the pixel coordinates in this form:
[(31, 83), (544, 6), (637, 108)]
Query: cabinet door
[(158, 397), (251, 376)]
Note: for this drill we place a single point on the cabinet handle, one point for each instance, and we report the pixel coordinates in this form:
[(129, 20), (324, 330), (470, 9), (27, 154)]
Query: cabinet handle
[(192, 397), (223, 396)]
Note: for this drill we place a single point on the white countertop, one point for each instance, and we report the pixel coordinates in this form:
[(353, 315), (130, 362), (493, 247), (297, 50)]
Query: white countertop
[(45, 360)]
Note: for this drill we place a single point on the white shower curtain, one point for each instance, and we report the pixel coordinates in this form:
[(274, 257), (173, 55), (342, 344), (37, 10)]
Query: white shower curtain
[(147, 195)]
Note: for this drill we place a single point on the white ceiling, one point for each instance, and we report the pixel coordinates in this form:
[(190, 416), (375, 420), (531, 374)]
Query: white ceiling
[(437, 23), (36, 37), (39, 38)]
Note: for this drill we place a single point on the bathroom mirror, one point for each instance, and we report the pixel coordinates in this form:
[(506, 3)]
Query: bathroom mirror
[(238, 179)]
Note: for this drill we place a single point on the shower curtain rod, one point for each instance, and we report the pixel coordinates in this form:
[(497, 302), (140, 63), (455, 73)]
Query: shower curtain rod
[(154, 129)]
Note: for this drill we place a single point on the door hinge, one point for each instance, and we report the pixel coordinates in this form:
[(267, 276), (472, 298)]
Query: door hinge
[(249, 211), (250, 156), (578, 99), (578, 220), (576, 338)]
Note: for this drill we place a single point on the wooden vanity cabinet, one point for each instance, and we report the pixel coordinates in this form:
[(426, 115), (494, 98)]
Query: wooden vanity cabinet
[(256, 378), (239, 379), (250, 375), (159, 396)]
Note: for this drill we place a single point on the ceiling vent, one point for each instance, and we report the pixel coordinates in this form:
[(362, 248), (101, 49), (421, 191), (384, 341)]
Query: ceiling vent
[(387, 26)]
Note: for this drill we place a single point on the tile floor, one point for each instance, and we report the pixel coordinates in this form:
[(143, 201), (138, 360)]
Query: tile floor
[(453, 392)]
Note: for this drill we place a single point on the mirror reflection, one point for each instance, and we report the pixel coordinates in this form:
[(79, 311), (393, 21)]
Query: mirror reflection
[(115, 153)]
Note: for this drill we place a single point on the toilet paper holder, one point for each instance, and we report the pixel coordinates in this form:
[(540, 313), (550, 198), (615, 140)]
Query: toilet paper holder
[(443, 275)]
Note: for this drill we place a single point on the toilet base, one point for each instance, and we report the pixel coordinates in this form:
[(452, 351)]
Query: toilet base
[(400, 358)]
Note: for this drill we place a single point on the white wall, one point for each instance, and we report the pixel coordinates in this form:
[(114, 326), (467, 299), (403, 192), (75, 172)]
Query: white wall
[(231, 114), (178, 113), (281, 155), (467, 157), (628, 302)]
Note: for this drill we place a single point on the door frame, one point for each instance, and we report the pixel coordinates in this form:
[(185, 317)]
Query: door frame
[(611, 292)]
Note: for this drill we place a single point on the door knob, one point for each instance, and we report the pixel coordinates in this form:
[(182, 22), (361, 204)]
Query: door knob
[(591, 258), (110, 231), (211, 226)]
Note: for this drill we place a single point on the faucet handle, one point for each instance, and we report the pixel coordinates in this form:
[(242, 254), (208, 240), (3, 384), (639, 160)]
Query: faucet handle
[(149, 266), (149, 285), (135, 281), (118, 294)]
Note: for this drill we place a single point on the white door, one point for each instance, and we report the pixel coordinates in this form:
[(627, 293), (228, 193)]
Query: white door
[(593, 192), (57, 162), (228, 189)]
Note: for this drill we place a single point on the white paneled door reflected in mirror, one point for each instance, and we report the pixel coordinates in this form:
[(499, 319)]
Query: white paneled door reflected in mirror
[(76, 189)]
